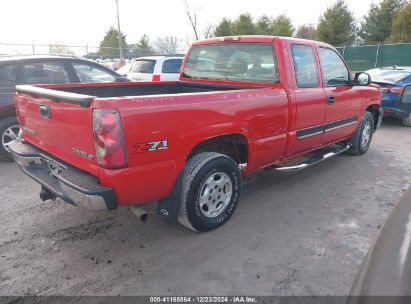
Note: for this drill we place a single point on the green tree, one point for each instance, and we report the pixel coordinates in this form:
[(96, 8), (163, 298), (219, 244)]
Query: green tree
[(306, 32), (244, 25), (264, 25), (144, 43), (377, 24), (401, 27), (282, 26), (337, 25), (142, 48), (224, 28), (109, 44)]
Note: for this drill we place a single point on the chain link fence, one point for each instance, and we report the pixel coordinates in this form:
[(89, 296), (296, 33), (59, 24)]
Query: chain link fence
[(362, 58)]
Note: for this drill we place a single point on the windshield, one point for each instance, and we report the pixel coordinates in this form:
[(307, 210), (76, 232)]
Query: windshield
[(388, 76), (143, 66), (249, 62)]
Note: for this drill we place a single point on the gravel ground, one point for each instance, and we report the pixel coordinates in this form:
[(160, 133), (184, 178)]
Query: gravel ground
[(301, 233)]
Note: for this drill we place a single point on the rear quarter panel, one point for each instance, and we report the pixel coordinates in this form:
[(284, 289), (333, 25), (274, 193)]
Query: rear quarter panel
[(185, 120)]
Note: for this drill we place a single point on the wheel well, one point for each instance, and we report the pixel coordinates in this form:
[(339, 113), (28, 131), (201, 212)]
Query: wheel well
[(233, 145), (374, 110)]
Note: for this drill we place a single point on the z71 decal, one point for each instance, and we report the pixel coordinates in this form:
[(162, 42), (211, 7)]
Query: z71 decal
[(150, 147)]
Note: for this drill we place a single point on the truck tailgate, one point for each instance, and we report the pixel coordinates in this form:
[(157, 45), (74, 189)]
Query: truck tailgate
[(61, 127)]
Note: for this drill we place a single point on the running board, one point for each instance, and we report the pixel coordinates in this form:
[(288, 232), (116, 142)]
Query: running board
[(316, 158)]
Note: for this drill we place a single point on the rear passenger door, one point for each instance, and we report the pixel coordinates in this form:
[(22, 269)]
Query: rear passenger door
[(344, 101), (309, 100), (44, 72)]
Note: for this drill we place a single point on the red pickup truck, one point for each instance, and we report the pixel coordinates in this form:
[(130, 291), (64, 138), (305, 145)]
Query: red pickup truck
[(241, 104)]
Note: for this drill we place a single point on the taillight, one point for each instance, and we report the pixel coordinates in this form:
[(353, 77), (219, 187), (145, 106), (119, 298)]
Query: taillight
[(395, 90), (156, 78), (109, 139)]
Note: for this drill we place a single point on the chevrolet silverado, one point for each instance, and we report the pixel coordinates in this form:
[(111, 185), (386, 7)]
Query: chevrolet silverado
[(241, 104)]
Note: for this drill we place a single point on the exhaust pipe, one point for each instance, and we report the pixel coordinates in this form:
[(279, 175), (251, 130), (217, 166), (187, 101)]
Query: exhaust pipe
[(140, 213)]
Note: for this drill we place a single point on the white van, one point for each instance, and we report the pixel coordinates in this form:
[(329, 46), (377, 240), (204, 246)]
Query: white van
[(155, 68)]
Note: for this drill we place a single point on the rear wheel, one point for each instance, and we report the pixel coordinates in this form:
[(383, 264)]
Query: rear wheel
[(9, 132), (361, 141), (210, 191), (407, 121)]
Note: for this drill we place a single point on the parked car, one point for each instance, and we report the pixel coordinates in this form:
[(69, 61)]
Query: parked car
[(255, 102), (125, 70), (392, 81), (385, 270), (33, 69), (156, 68)]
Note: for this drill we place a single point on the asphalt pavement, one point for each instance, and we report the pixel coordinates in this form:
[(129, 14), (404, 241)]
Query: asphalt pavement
[(302, 233)]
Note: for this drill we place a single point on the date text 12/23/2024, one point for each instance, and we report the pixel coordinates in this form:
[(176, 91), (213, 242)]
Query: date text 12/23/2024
[(205, 299)]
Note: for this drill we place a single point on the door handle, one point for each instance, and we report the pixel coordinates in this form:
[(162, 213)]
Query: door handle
[(330, 100)]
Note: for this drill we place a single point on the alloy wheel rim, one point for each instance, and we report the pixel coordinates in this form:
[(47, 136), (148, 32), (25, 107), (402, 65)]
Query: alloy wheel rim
[(366, 134), (215, 194), (9, 136)]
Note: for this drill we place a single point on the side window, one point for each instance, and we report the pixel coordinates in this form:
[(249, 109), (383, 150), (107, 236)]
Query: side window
[(8, 74), (172, 66), (90, 73), (334, 70), (306, 70), (45, 72)]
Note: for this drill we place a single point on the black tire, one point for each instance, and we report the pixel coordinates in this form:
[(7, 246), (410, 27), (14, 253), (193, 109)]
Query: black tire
[(358, 144), (407, 121), (5, 124), (196, 178)]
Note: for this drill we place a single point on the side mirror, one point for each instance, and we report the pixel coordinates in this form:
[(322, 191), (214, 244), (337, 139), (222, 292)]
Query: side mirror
[(362, 79), (406, 95)]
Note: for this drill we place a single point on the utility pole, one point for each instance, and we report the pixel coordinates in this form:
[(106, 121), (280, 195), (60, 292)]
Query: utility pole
[(120, 42)]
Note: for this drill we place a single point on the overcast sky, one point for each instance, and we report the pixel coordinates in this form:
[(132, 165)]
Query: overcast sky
[(78, 22)]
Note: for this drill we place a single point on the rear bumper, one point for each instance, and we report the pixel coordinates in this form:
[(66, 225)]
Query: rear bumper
[(397, 112), (62, 180)]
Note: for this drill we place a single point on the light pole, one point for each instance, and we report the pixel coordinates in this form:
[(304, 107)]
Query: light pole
[(120, 42)]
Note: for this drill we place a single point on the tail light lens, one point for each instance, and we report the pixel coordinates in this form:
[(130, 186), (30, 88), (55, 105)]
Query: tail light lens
[(156, 78), (109, 140), (395, 90)]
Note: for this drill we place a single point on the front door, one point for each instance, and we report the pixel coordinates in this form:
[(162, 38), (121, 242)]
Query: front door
[(343, 100)]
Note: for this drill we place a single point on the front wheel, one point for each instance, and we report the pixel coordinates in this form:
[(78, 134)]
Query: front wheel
[(9, 133), (210, 191), (361, 141)]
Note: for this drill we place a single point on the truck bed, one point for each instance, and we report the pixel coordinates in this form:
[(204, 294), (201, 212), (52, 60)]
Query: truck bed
[(146, 88)]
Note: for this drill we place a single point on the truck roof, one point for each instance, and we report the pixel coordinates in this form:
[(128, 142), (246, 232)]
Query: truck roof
[(252, 39)]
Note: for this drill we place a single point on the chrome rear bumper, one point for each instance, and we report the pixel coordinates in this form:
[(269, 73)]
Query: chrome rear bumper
[(59, 179)]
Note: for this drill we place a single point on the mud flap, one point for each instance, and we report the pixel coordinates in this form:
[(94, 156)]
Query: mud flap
[(170, 207)]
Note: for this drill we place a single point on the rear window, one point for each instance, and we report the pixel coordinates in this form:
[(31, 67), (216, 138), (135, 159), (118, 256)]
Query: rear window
[(143, 66), (172, 66), (8, 74), (242, 62)]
